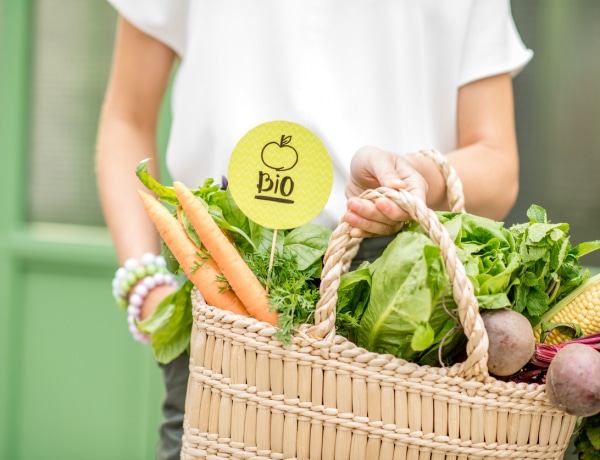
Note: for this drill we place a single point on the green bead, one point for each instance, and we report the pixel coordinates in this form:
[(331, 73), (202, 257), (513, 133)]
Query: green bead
[(130, 279), (121, 303), (140, 272), (151, 269)]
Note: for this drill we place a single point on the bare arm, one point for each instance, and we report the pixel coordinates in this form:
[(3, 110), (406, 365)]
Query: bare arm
[(486, 160), (127, 134)]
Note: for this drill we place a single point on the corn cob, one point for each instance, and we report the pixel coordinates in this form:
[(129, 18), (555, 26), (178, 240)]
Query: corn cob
[(582, 306)]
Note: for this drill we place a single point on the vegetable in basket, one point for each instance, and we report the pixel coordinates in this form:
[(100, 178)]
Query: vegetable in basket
[(201, 269), (573, 380), (291, 280), (511, 341), (576, 315), (571, 372), (240, 277), (402, 303)]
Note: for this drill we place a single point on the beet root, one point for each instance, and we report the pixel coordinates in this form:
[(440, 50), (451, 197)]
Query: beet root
[(573, 380), (511, 341)]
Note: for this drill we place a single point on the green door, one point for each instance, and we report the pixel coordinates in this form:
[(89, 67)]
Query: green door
[(73, 383)]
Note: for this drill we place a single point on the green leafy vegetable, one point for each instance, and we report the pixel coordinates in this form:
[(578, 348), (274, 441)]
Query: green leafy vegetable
[(353, 297), (170, 325), (404, 291), (402, 303), (587, 437)]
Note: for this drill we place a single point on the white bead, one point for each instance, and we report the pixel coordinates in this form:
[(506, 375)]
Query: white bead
[(133, 310), (135, 299), (148, 258), (128, 274), (120, 274), (130, 264), (149, 282), (135, 332), (141, 290)]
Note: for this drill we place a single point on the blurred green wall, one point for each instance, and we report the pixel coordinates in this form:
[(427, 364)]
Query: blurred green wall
[(557, 103), (73, 384)]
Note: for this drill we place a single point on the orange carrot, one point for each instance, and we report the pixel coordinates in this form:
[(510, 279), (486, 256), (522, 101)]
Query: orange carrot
[(201, 271), (237, 272)]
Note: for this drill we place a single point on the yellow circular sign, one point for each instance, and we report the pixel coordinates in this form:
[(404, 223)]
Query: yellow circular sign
[(280, 175)]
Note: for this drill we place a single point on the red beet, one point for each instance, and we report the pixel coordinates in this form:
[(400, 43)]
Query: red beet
[(511, 341), (573, 380)]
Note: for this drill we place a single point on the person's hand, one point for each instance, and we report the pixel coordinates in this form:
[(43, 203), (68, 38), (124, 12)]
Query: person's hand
[(155, 297), (371, 168)]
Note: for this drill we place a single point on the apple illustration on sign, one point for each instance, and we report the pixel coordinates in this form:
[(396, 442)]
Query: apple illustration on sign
[(280, 156)]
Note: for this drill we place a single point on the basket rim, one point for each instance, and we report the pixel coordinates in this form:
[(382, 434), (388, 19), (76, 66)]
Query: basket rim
[(322, 350)]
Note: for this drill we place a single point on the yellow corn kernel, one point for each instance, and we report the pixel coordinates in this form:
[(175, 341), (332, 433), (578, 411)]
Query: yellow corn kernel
[(582, 307)]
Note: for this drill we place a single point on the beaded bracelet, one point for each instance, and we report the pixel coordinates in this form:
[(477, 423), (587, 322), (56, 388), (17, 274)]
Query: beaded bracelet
[(137, 297), (130, 293), (132, 272)]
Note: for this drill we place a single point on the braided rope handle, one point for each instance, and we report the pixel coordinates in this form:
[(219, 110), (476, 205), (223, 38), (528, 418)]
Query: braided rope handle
[(342, 247), (454, 189)]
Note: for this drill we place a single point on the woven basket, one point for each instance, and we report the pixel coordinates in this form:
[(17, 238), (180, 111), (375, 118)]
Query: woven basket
[(322, 397)]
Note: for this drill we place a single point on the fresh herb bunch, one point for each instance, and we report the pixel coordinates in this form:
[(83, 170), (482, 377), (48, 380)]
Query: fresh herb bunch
[(549, 266), (292, 292)]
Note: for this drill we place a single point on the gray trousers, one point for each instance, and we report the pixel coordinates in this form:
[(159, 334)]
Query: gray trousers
[(175, 374), (175, 378)]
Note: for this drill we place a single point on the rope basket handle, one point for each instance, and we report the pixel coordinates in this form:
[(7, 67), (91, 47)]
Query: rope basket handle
[(336, 263)]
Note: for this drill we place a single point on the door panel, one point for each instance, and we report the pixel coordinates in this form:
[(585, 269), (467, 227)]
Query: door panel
[(78, 382), (73, 383), (85, 386)]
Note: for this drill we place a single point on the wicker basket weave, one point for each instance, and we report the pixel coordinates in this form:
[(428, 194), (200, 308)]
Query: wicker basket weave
[(322, 397)]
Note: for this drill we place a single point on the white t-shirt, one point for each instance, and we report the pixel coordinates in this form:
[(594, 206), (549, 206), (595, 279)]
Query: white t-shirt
[(354, 72)]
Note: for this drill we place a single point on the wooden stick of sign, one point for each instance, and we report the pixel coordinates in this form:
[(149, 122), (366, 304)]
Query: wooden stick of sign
[(272, 258)]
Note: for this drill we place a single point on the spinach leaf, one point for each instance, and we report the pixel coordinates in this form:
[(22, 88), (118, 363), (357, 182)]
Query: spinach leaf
[(353, 296), (170, 325), (405, 287), (308, 243)]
